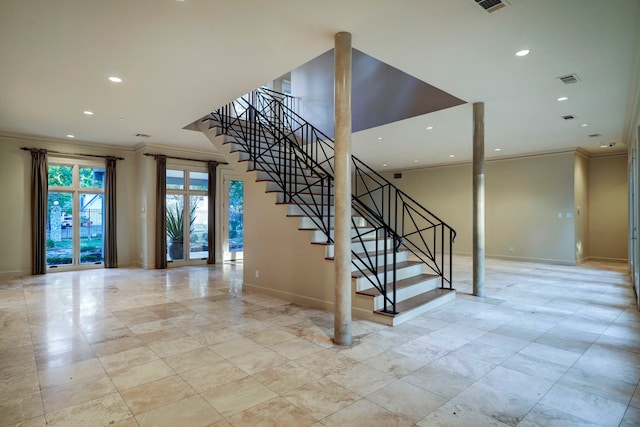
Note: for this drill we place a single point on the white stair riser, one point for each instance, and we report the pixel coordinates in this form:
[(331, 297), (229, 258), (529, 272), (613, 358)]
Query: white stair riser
[(318, 236), (408, 292), (307, 185), (400, 257), (361, 246), (415, 312), (267, 167), (361, 283), (295, 210), (311, 199), (307, 223)]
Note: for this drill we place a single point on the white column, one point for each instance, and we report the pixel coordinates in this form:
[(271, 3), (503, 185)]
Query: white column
[(478, 199), (342, 165)]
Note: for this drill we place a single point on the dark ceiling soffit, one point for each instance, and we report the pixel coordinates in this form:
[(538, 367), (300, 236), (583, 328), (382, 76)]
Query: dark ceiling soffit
[(382, 94)]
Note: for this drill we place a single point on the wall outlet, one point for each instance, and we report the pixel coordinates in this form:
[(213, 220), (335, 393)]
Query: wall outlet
[(257, 274)]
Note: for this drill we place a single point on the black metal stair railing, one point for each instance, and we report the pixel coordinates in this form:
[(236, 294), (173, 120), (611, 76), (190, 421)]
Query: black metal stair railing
[(299, 158)]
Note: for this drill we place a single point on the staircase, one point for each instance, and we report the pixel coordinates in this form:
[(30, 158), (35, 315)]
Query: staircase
[(401, 252)]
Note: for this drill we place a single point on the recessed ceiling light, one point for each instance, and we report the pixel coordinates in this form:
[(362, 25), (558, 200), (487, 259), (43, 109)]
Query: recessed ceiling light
[(497, 149), (415, 161), (384, 165), (584, 125), (604, 146), (122, 119), (87, 113), (452, 155), (429, 127), (523, 52), (379, 138), (70, 135), (562, 98), (115, 79)]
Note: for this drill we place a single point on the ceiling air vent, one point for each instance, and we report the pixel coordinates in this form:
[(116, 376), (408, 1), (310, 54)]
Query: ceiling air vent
[(569, 79), (491, 5), (143, 135), (595, 135), (569, 117)]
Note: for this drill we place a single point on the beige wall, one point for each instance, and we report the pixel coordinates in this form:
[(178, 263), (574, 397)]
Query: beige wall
[(582, 209), (279, 259), (527, 202), (15, 227), (608, 225)]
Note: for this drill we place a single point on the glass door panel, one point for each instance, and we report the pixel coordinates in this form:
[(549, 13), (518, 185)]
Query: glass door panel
[(199, 230), (233, 241), (175, 227), (91, 236), (60, 229)]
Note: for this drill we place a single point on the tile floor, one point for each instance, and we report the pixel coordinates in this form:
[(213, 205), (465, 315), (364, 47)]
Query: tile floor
[(549, 346)]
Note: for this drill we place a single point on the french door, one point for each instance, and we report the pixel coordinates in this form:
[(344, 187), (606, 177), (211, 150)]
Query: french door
[(187, 207), (75, 212)]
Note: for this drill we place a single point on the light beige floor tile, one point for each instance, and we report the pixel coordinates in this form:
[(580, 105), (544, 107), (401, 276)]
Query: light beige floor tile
[(63, 374), (119, 345), (258, 360), (545, 416), (217, 336), (325, 362), (17, 409), (127, 358), (156, 394), (608, 388), (451, 414), (173, 347), (106, 410), (438, 381), (236, 347), (273, 413), (523, 385), (535, 367), (364, 413), (361, 379), (20, 385), (39, 421), (394, 364), (230, 398), (284, 378), (500, 405), (76, 391), (321, 398), (631, 418), (407, 400), (550, 354), (463, 365), (502, 341), (589, 406), (295, 348), (270, 337), (192, 411), (135, 375), (193, 359), (213, 375)]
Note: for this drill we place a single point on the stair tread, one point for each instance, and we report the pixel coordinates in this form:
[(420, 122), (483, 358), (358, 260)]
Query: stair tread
[(403, 307), (404, 283), (403, 264)]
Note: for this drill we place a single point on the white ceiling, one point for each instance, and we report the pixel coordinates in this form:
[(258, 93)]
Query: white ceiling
[(181, 59)]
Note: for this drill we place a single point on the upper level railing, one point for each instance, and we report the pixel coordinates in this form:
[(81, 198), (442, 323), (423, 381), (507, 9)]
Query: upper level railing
[(300, 158)]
